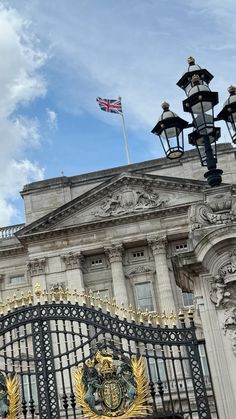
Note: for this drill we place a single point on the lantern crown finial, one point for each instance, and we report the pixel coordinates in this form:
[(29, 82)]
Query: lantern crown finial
[(232, 90), (191, 60), (165, 106)]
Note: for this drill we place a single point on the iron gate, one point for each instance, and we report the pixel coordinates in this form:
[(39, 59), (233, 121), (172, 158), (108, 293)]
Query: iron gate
[(45, 340)]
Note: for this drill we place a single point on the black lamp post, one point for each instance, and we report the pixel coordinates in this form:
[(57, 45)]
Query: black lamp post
[(200, 103)]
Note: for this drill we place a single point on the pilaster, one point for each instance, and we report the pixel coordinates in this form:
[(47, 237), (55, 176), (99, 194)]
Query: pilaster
[(73, 264), (115, 255)]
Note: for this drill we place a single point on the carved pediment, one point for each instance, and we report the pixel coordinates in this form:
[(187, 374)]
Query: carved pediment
[(124, 195)]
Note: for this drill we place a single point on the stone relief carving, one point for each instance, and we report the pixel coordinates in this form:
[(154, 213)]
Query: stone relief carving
[(140, 269), (73, 260), (129, 201), (229, 326), (223, 288), (223, 295), (218, 213), (36, 266)]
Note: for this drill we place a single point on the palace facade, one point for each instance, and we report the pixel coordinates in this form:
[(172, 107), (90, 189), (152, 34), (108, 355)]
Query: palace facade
[(152, 235)]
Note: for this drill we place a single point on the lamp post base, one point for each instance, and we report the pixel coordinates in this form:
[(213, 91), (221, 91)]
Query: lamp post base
[(213, 177)]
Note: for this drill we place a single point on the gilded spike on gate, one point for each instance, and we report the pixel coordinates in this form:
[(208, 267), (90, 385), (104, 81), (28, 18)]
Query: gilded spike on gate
[(99, 301), (2, 310), (181, 316), (22, 299), (45, 296), (91, 298), (132, 313), (76, 296), (190, 314), (84, 297), (60, 294), (156, 317), (123, 310), (149, 318), (52, 295), (107, 304), (15, 302), (115, 307), (173, 318), (37, 291), (140, 315), (68, 295), (8, 305), (30, 298), (165, 318)]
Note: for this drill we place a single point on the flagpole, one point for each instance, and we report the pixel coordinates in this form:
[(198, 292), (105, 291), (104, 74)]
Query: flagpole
[(125, 136)]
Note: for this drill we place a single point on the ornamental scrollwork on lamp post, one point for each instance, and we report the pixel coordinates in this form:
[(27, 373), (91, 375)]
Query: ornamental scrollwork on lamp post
[(200, 103)]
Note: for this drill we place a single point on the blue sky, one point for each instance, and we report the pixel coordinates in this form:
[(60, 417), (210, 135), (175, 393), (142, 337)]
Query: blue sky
[(60, 55)]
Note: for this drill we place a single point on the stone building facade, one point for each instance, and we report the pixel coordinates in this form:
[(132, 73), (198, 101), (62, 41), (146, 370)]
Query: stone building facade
[(150, 234)]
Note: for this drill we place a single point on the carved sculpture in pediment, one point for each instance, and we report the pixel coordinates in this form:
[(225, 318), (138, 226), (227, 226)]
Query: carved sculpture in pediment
[(129, 200), (222, 212)]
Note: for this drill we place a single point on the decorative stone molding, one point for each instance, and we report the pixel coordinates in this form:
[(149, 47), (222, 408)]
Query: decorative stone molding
[(158, 244), (219, 212), (114, 252), (36, 266), (140, 269), (73, 260), (129, 200)]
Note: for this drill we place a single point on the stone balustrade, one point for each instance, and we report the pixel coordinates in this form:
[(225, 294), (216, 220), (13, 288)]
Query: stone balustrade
[(9, 231)]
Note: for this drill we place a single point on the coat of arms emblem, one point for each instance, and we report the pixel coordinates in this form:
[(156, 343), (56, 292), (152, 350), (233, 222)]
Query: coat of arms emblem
[(112, 385)]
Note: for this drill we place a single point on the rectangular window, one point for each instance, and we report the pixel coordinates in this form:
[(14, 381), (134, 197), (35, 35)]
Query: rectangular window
[(187, 299), (144, 296), (96, 262), (181, 247), (16, 280), (203, 358), (138, 254)]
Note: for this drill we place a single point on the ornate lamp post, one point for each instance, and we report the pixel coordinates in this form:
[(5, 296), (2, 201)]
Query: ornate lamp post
[(200, 103)]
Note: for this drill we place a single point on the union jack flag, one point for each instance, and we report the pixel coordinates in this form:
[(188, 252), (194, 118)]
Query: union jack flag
[(110, 105)]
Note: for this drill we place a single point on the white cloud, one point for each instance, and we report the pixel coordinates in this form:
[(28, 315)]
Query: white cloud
[(136, 50), (20, 83), (52, 118)]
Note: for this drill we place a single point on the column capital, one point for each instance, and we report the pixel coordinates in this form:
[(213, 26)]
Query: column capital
[(37, 266), (158, 244), (73, 260), (114, 252)]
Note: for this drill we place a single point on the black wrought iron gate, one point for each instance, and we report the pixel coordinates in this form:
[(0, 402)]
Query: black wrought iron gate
[(43, 343)]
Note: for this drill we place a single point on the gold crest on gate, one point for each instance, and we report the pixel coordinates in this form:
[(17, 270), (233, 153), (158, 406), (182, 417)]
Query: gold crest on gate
[(111, 385)]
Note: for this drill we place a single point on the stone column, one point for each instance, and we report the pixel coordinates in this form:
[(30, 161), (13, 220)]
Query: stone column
[(164, 285), (74, 270), (115, 252)]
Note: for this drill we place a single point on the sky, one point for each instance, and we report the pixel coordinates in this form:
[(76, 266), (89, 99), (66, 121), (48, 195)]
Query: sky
[(57, 56)]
